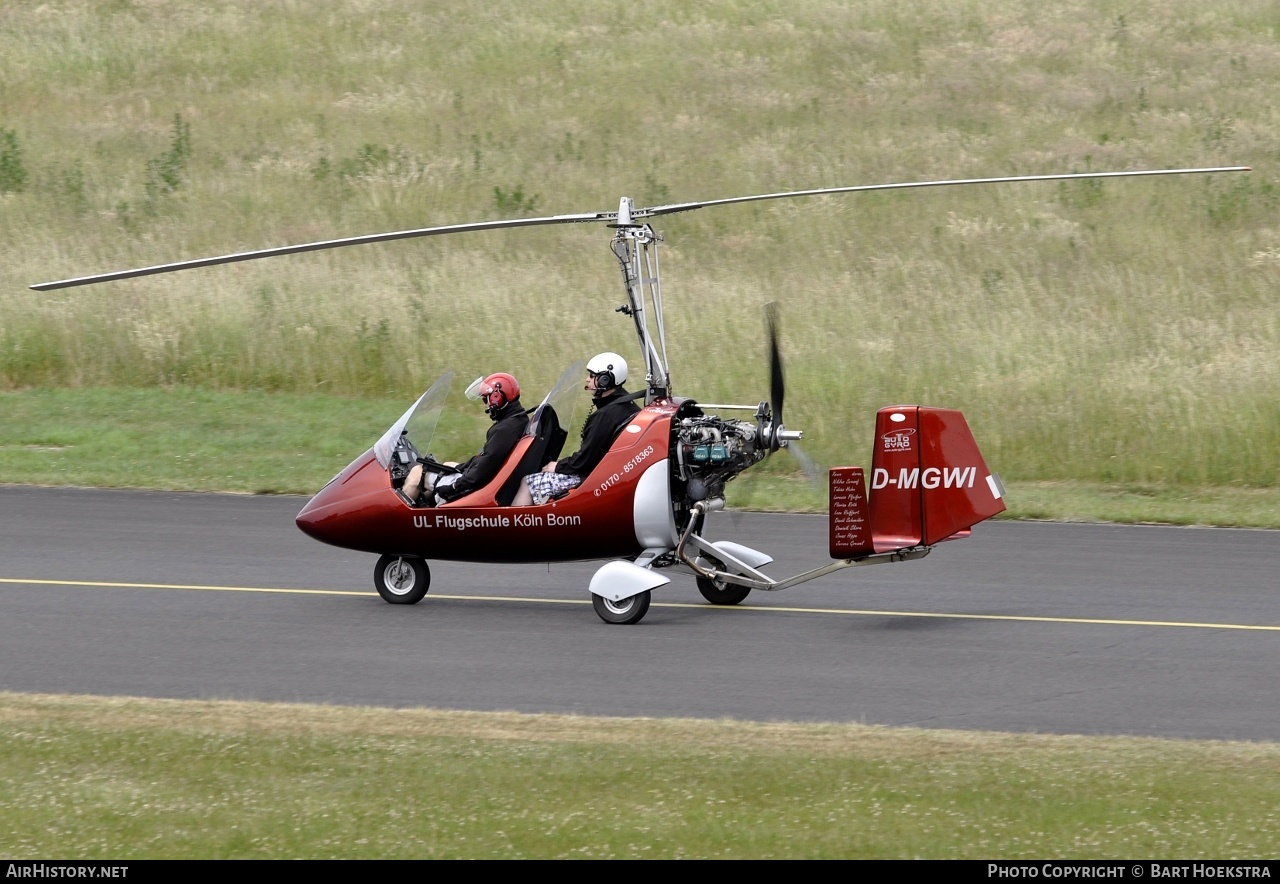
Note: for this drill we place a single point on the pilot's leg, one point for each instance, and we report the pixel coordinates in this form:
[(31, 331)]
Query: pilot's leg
[(420, 484), (413, 483)]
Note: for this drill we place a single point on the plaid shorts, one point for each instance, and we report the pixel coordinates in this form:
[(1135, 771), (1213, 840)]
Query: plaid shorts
[(544, 486)]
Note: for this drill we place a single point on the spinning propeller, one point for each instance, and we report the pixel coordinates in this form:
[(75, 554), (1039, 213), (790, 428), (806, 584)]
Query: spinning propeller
[(777, 387), (769, 414)]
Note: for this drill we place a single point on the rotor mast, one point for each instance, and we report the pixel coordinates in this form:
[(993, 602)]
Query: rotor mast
[(636, 248)]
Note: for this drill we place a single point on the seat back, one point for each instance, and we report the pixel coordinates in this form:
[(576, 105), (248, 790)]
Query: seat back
[(548, 440)]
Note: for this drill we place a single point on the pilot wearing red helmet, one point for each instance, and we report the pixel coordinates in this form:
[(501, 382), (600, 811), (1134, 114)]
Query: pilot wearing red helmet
[(500, 394)]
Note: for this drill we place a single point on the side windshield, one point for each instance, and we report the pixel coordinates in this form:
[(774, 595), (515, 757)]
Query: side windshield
[(562, 398)]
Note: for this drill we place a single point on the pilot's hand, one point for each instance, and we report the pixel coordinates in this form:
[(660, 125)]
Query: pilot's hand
[(550, 468)]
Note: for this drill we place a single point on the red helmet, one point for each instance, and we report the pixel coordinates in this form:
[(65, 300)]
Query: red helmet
[(497, 390)]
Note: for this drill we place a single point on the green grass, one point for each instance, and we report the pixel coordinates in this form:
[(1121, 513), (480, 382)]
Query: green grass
[(1113, 345), (148, 779), (285, 443)]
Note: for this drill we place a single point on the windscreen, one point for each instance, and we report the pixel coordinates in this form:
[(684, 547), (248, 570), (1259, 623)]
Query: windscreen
[(419, 421)]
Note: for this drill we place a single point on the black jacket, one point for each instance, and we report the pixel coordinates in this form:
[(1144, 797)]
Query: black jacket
[(606, 420), (506, 431)]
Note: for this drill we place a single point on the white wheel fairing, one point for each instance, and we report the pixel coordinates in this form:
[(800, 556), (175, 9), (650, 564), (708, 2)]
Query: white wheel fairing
[(617, 581), (753, 558), (654, 520)]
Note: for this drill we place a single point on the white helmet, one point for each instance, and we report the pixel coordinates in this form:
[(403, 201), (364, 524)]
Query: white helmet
[(610, 370)]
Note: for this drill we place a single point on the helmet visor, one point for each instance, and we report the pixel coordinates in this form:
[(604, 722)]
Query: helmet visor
[(473, 390)]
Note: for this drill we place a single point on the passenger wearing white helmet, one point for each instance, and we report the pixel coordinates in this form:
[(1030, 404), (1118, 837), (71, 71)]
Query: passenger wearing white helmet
[(612, 408)]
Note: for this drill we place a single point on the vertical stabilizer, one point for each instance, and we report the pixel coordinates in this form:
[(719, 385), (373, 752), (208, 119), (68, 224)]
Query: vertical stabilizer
[(928, 479)]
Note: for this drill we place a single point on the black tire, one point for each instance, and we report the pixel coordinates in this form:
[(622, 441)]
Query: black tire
[(630, 610), (720, 593), (401, 580)]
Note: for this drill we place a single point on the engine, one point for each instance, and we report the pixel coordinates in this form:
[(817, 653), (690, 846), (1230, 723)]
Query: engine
[(708, 451)]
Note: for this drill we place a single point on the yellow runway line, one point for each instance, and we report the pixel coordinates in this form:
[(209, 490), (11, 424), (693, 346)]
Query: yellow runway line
[(1016, 618)]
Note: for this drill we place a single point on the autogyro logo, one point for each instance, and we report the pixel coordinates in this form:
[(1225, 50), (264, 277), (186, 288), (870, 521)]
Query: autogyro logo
[(898, 440)]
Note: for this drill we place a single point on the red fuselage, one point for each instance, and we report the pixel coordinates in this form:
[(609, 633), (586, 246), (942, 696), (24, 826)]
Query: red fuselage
[(620, 509)]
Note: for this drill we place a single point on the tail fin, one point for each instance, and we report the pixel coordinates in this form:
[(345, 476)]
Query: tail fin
[(928, 480)]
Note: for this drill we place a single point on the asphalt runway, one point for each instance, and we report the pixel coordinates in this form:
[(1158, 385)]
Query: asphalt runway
[(1024, 627)]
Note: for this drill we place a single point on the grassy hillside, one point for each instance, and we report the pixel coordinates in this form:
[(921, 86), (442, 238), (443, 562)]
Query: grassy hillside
[(1096, 332)]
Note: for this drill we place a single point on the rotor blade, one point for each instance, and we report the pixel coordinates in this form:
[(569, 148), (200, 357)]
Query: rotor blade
[(687, 207), (323, 244), (777, 386), (577, 218)]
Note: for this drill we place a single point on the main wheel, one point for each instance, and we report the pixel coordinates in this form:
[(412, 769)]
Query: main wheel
[(718, 592), (630, 610), (401, 580)]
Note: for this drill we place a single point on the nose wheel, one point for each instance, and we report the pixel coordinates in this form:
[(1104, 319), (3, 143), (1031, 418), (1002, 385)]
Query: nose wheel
[(630, 610), (401, 580)]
